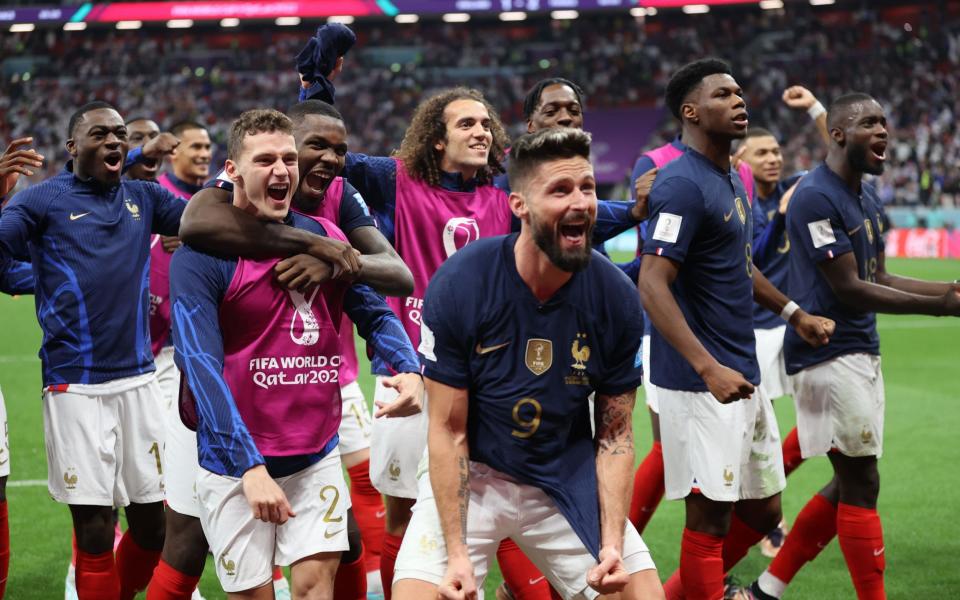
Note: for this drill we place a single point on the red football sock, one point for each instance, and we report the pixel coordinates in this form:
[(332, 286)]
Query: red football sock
[(791, 452), (647, 488), (170, 584), (815, 526), (388, 557), (369, 512), (73, 548), (4, 547), (135, 566), (277, 573), (673, 587), (524, 579), (97, 577), (351, 580), (701, 565), (861, 540), (738, 542)]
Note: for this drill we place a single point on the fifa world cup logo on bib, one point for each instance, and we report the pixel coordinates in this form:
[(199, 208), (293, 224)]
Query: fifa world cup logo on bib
[(458, 232), (309, 331)]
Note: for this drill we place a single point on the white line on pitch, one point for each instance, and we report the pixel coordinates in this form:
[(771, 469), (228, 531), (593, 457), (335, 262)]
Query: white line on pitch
[(27, 483)]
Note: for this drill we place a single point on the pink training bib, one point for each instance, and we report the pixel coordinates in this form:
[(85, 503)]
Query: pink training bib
[(160, 322)]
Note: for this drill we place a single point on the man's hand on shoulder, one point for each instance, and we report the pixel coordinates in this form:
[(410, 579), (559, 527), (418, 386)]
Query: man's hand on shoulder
[(302, 272), (642, 186), (344, 259)]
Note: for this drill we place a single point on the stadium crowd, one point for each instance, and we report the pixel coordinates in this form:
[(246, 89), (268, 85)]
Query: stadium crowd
[(215, 74)]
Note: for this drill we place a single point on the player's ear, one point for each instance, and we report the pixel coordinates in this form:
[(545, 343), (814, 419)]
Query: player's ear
[(518, 204), (838, 136), (529, 126), (689, 112), (232, 171), (71, 147)]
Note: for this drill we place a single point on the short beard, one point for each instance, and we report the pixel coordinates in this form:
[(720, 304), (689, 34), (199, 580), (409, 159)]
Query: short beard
[(546, 240), (857, 157)]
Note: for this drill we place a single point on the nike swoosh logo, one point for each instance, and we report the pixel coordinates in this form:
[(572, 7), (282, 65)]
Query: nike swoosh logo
[(74, 217), (727, 216), (879, 552), (537, 580), (481, 350), (329, 535), (821, 546), (381, 514), (855, 229)]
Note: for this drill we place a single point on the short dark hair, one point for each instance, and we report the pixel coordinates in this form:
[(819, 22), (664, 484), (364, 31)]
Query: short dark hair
[(688, 78), (531, 150), (137, 118), (839, 108), (532, 98), (313, 107), (753, 132), (260, 120), (78, 114), (180, 126)]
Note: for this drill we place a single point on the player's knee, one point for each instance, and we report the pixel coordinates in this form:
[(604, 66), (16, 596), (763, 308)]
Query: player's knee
[(644, 585), (185, 546), (398, 513), (317, 584), (3, 489), (147, 524), (93, 527)]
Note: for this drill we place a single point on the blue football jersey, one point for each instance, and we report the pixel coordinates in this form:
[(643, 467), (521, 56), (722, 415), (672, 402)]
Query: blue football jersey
[(771, 248)]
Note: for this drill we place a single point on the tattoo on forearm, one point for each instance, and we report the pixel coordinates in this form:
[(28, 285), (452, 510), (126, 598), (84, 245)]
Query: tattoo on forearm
[(463, 495), (614, 420)]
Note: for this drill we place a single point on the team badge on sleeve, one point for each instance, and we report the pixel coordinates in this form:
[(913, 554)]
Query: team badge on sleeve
[(427, 342), (539, 356), (821, 232), (668, 228)]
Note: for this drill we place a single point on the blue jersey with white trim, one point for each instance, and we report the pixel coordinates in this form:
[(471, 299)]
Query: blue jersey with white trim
[(530, 366), (89, 247), (824, 220), (700, 217)]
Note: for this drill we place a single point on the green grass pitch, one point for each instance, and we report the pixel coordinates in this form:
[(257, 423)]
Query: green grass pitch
[(918, 501)]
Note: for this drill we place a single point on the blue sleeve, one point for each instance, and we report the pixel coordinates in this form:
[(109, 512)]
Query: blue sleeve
[(622, 360), (765, 234), (613, 218), (16, 278), (445, 337), (167, 210), (816, 226), (375, 177), (133, 157), (20, 222), (643, 164), (377, 324), (676, 211), (197, 285), (354, 211)]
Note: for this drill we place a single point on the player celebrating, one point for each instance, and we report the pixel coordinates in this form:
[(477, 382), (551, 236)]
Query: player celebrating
[(837, 267), (720, 439), (501, 441), (101, 398)]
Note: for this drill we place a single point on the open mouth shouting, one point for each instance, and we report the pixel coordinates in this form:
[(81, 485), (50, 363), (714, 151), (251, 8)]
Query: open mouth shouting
[(317, 181), (740, 120), (878, 150), (278, 192), (113, 161), (573, 232)]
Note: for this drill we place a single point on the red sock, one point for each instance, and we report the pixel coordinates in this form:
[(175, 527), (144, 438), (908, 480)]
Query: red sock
[(97, 576), (351, 580), (861, 540), (73, 548), (369, 512), (277, 573), (738, 542), (388, 557), (647, 488), (135, 566), (673, 587), (524, 579), (791, 452), (701, 565), (811, 532), (4, 547), (170, 584)]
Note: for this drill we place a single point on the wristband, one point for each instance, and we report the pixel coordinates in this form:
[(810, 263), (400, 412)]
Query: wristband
[(816, 110), (788, 310)]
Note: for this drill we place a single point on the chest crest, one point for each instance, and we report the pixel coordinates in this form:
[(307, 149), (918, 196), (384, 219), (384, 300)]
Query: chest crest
[(539, 355)]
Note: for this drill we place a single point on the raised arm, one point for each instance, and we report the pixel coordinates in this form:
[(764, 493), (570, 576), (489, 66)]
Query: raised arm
[(800, 98), (911, 285)]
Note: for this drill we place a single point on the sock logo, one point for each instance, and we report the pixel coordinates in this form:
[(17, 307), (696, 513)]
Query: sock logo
[(880, 551)]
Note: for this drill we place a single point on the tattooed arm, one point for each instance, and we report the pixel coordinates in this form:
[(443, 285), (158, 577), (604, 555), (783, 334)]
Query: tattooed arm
[(450, 478)]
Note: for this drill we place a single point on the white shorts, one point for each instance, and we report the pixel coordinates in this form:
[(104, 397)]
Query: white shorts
[(5, 443), (501, 508), (180, 456), (649, 390), (773, 369), (840, 405), (396, 447), (105, 441), (168, 375), (246, 549), (729, 451), (357, 422)]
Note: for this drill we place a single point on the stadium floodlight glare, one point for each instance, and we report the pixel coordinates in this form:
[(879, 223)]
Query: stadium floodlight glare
[(513, 16), (402, 18), (638, 11), (822, 2), (343, 19), (230, 22), (78, 26), (179, 24), (129, 24), (456, 18), (696, 9), (564, 15), (287, 21), (771, 4), (22, 27)]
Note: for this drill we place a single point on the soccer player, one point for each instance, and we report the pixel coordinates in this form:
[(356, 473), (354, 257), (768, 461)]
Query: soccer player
[(238, 329), (142, 130), (510, 360), (721, 446), (837, 267), (101, 399)]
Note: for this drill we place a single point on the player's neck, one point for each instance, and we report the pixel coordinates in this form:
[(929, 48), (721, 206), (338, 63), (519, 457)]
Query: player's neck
[(839, 164), (466, 172), (188, 179), (716, 149), (536, 270), (765, 188)]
